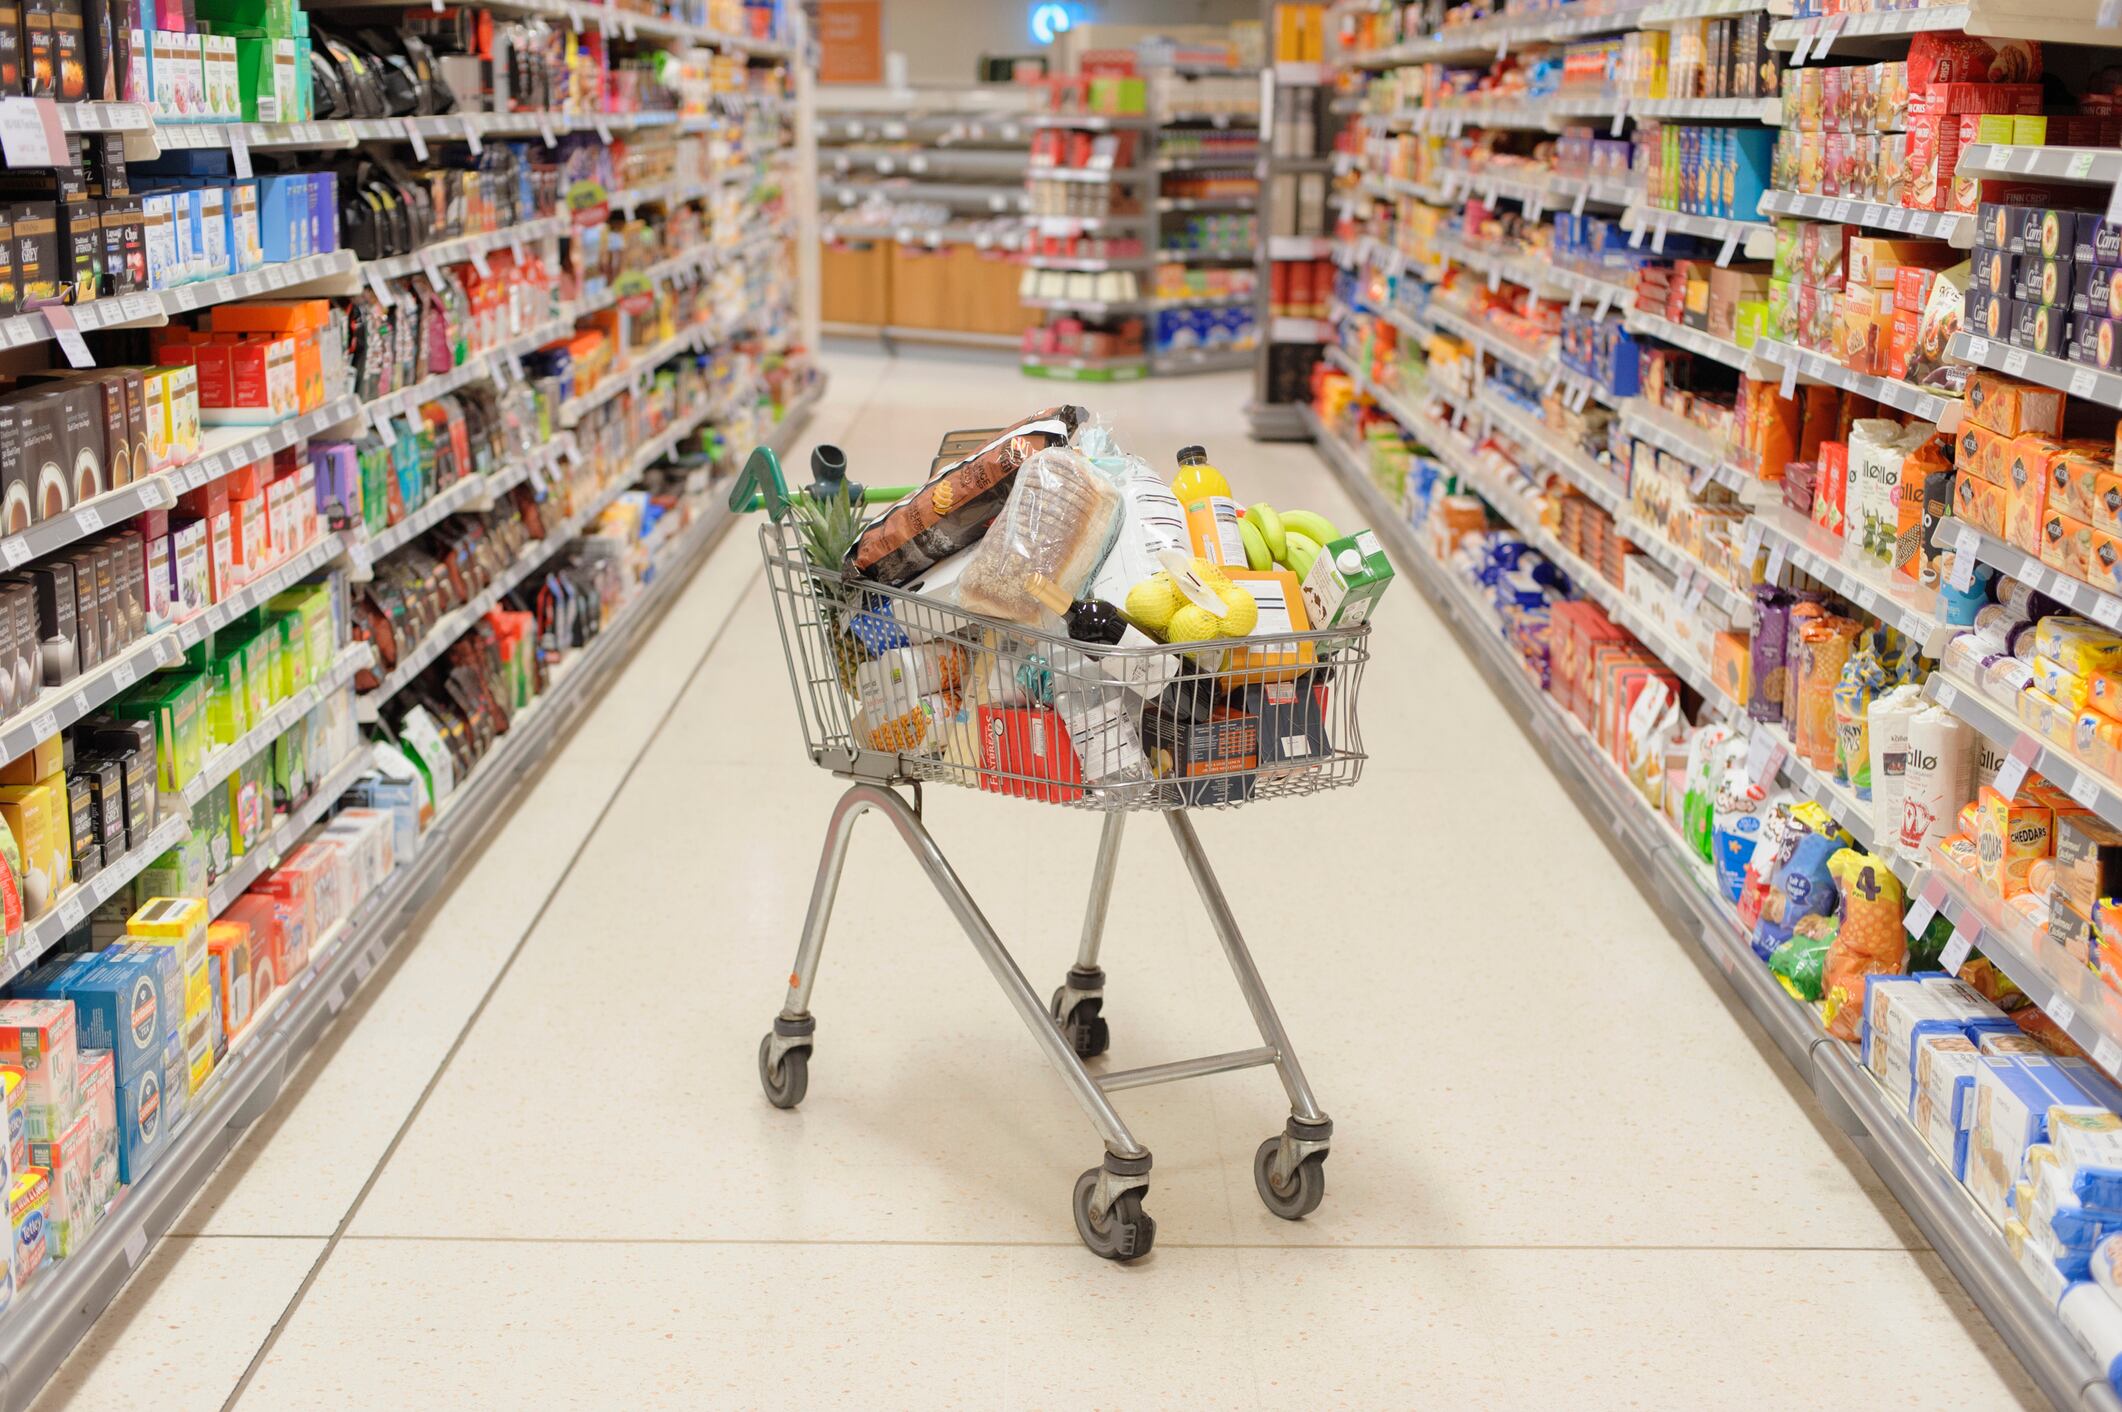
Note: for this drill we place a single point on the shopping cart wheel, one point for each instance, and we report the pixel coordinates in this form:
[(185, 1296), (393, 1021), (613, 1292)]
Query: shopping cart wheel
[(1124, 1232), (786, 1081), (1083, 1027), (1300, 1193)]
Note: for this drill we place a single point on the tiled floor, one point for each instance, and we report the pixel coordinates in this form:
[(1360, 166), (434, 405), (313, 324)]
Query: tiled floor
[(533, 1167)]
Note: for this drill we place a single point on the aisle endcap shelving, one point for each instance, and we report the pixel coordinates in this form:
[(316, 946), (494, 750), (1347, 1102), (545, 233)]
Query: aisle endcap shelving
[(1971, 1247)]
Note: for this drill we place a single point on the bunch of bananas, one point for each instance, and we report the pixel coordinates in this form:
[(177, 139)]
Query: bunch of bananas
[(1288, 539)]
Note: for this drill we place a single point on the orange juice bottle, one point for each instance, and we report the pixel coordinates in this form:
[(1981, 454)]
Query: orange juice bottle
[(1211, 515)]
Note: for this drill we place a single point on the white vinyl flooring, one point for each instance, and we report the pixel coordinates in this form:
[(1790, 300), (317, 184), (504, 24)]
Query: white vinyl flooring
[(532, 1168)]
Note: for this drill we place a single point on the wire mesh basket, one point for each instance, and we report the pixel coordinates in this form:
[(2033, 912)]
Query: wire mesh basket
[(894, 687)]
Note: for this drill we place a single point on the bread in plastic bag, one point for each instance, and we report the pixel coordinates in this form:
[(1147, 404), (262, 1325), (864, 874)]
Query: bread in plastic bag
[(1058, 524), (955, 507)]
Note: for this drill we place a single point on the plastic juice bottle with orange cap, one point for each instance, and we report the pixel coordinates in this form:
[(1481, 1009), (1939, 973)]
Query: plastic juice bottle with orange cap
[(1211, 514)]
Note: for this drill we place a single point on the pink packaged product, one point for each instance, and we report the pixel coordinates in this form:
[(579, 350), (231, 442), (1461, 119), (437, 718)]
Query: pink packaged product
[(38, 1037)]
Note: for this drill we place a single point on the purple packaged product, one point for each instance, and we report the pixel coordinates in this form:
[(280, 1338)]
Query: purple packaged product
[(338, 479), (2040, 280), (2098, 241), (2099, 342), (2098, 291), (1986, 314), (2025, 230), (2039, 327), (1771, 629)]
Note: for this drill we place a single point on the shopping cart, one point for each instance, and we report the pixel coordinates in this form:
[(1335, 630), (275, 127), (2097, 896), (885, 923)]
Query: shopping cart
[(896, 690)]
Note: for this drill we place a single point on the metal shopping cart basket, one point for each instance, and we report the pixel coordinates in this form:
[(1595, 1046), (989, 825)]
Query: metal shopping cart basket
[(895, 691)]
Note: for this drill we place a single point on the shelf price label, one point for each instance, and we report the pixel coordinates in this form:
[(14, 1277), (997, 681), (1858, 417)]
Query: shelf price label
[(2108, 1055), (2015, 362), (1924, 908), (2083, 381), (1962, 944), (2024, 751)]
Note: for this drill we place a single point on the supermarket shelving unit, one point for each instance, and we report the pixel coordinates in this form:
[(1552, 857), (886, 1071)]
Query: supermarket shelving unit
[(50, 1315), (1687, 896), (55, 1313), (924, 171), (1792, 547)]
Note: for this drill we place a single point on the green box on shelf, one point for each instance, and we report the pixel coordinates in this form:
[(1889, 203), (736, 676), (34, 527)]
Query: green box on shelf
[(175, 703), (311, 604), (181, 872), (291, 766), (274, 17), (250, 803), (227, 708), (210, 827)]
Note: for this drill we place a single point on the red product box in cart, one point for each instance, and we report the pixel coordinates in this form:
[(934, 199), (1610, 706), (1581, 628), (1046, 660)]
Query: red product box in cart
[(1025, 751)]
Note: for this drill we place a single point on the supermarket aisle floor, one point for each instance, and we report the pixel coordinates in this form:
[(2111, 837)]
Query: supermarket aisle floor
[(1565, 1171)]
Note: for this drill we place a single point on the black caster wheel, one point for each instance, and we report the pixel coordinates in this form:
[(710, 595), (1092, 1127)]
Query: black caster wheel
[(784, 1083), (1306, 1187), (1126, 1231), (1084, 1028)]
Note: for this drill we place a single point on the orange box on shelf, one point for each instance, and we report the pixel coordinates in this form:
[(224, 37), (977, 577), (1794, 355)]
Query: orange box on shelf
[(2066, 543), (2103, 561), (2026, 487), (1980, 503), (1984, 452), (1731, 664), (2012, 407)]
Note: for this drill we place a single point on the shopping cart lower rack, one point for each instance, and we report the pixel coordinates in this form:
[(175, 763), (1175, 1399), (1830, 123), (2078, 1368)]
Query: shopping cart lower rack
[(894, 689)]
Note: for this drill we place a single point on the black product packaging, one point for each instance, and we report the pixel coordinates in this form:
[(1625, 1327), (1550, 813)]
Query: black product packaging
[(10, 289), (29, 656), (40, 50), (88, 622), (10, 699), (111, 177), (101, 43), (132, 582), (101, 396), (129, 277), (82, 407), (14, 469), (2039, 327), (71, 49), (111, 255), (81, 239), (42, 436), (132, 745), (10, 46), (80, 807), (37, 267), (136, 420), (54, 583), (106, 813), (109, 618)]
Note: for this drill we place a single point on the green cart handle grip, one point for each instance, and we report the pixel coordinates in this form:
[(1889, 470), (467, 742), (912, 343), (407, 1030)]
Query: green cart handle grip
[(761, 486)]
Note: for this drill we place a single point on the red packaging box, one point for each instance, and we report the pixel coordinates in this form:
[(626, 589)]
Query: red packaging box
[(1033, 743)]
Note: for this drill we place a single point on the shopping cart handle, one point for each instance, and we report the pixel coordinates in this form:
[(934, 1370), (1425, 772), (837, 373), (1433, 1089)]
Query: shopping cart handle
[(761, 486)]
